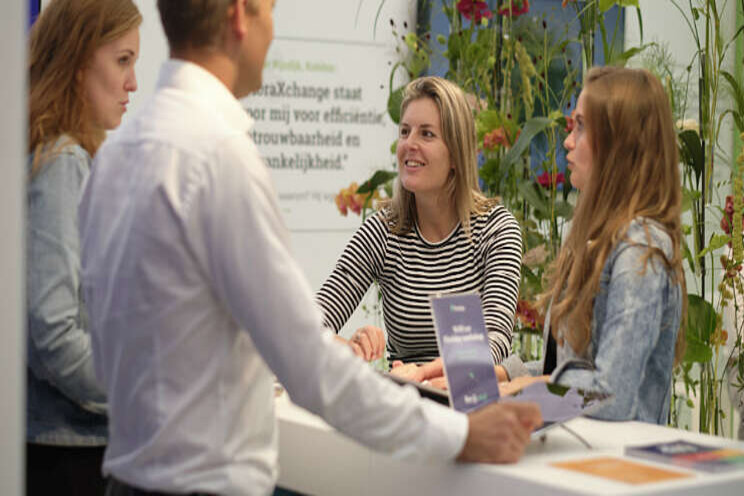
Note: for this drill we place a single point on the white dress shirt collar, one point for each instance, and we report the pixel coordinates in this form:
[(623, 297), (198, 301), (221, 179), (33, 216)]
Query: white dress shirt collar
[(203, 85)]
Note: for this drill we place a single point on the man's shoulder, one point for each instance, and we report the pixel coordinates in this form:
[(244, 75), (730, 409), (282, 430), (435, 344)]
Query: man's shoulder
[(174, 120)]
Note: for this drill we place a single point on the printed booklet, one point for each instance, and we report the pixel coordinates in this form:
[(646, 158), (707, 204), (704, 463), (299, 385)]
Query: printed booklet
[(691, 455)]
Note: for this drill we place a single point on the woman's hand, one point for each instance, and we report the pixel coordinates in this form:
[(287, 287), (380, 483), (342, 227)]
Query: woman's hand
[(431, 371), (501, 374), (368, 343), (518, 383), (409, 371)]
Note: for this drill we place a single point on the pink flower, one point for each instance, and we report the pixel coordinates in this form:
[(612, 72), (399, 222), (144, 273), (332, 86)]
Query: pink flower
[(546, 179), (518, 7), (474, 10), (341, 204), (348, 199)]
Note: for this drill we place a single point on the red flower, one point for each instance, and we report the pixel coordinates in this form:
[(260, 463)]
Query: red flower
[(546, 179), (474, 9), (528, 315), (565, 2), (518, 7), (728, 216), (498, 137), (570, 123)]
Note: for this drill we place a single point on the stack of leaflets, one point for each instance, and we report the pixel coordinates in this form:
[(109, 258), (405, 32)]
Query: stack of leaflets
[(691, 455)]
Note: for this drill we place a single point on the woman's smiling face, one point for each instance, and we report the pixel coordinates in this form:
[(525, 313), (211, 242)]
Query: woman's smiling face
[(424, 162)]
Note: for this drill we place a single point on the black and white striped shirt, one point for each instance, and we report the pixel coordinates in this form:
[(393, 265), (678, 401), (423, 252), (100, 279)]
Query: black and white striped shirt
[(408, 269)]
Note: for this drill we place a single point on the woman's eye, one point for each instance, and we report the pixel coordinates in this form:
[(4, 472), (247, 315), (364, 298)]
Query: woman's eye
[(124, 60), (428, 134), (403, 132)]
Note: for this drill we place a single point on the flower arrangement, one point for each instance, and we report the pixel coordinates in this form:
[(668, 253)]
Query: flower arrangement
[(522, 74)]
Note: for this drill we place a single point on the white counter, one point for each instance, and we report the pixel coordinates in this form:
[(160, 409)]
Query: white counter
[(316, 459)]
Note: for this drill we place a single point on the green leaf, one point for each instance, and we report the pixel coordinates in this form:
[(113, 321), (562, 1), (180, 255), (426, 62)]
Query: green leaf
[(530, 276), (393, 104), (531, 128), (689, 196), (691, 149), (605, 5), (688, 256), (701, 325), (564, 209), (697, 351), (622, 59), (738, 96), (533, 197), (379, 178), (393, 147), (716, 241)]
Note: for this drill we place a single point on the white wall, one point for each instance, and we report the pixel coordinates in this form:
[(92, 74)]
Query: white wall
[(304, 31), (12, 151)]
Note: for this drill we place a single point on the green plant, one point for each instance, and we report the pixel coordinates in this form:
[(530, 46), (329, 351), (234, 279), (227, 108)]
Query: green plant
[(704, 369)]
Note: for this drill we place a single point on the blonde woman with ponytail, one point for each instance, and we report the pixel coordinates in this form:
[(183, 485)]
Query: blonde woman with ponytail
[(616, 293)]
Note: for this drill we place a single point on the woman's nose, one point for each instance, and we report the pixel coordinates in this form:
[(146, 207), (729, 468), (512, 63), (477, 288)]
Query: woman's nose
[(131, 83), (568, 142)]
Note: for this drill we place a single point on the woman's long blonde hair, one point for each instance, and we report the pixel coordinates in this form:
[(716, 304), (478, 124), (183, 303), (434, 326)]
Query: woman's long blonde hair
[(635, 173), (458, 133), (62, 42)]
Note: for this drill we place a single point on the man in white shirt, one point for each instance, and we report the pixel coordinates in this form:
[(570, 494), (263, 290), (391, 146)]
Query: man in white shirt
[(194, 296)]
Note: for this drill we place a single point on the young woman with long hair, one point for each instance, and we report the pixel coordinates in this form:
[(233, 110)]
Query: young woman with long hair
[(81, 71), (616, 293), (438, 234)]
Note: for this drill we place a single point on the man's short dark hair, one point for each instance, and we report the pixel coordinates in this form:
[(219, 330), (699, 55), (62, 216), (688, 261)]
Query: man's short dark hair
[(194, 23)]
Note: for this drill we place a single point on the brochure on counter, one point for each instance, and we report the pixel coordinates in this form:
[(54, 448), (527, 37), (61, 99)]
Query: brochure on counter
[(691, 455), (471, 378), (463, 346)]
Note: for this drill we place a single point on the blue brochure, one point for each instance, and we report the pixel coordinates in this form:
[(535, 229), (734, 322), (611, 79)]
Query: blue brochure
[(463, 346)]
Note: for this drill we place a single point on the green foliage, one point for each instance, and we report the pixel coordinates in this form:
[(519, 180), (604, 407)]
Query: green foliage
[(702, 322), (378, 179)]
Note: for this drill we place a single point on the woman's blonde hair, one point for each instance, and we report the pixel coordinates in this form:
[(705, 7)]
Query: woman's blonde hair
[(458, 133), (62, 42), (635, 173)]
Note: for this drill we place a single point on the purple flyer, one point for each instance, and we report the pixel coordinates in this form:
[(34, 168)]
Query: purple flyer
[(463, 346)]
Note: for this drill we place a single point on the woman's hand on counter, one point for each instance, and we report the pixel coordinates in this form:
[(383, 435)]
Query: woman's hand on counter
[(431, 371), (518, 383)]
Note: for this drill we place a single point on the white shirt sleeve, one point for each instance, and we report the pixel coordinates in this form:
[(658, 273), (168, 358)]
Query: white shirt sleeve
[(235, 224)]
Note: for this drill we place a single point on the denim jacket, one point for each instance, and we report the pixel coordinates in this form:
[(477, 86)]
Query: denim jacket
[(635, 322), (65, 404)]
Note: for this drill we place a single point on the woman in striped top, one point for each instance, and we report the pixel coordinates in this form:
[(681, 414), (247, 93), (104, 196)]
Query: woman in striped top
[(438, 234)]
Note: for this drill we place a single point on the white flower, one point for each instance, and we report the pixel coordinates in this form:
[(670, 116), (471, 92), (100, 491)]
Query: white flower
[(688, 125)]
